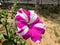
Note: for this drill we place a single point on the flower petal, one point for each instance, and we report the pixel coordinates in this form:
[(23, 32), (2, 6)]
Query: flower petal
[(33, 16)]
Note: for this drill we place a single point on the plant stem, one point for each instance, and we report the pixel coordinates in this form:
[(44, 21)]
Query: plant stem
[(6, 28)]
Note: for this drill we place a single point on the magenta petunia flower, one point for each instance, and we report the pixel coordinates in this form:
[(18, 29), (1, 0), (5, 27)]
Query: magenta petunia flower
[(29, 25)]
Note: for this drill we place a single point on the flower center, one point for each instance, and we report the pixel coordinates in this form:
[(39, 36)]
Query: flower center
[(28, 25)]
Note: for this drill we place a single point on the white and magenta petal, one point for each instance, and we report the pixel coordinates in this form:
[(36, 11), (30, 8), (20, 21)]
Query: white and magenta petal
[(40, 25), (25, 29), (33, 16), (22, 15)]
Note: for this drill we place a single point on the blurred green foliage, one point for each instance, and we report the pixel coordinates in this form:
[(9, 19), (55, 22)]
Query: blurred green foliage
[(1, 36), (45, 10), (10, 36)]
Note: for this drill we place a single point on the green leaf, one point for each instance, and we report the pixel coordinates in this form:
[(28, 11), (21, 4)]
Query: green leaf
[(1, 36), (4, 13), (0, 22), (5, 36), (1, 26), (8, 43)]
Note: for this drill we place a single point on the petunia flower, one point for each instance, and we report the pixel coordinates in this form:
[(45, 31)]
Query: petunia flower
[(29, 25)]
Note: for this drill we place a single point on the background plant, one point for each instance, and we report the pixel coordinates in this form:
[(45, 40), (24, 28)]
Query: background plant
[(10, 36)]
